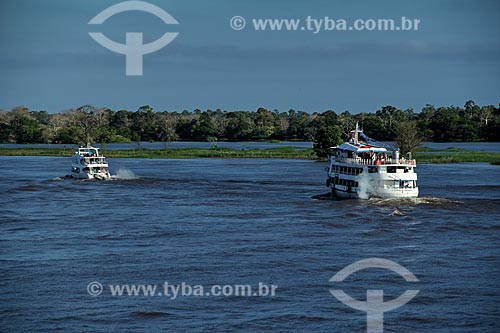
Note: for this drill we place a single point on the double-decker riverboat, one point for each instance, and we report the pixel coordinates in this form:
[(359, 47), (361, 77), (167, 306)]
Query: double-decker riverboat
[(88, 163), (364, 168)]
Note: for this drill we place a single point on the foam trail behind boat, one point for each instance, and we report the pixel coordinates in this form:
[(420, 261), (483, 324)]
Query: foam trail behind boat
[(364, 186), (124, 173)]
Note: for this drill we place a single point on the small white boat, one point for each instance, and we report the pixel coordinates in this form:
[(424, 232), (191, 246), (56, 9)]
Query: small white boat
[(88, 163), (363, 168)]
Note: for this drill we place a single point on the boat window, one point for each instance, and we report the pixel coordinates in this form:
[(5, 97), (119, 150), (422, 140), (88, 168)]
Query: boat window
[(391, 169), (372, 169)]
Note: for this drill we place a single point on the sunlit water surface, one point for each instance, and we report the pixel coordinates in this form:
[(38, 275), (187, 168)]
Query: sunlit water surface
[(241, 221)]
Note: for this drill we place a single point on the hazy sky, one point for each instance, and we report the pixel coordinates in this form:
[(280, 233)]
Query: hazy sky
[(49, 62)]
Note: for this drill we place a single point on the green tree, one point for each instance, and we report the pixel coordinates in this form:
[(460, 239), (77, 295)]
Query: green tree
[(325, 138), (26, 130), (240, 126), (70, 134), (264, 124), (424, 118), (492, 130), (282, 124), (391, 117), (407, 137), (372, 126), (203, 128), (300, 125), (145, 124), (167, 128), (346, 122), (85, 118), (121, 122), (444, 124), (4, 126)]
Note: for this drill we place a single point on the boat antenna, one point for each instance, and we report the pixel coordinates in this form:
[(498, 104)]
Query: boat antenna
[(356, 137)]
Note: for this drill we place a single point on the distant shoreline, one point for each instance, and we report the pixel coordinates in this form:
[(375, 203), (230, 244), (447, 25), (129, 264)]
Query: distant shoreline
[(424, 156)]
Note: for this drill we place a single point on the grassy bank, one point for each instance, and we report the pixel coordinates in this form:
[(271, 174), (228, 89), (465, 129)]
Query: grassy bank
[(281, 152), (471, 156), (435, 156)]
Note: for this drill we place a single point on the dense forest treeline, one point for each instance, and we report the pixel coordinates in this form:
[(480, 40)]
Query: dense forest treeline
[(102, 125)]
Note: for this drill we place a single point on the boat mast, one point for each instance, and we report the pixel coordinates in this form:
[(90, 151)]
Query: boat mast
[(356, 136)]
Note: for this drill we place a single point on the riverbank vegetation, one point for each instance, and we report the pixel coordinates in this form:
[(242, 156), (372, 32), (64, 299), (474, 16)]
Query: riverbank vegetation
[(423, 155), (89, 124), (281, 152)]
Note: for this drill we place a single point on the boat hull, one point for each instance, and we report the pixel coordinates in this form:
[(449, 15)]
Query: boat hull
[(355, 182), (84, 175), (355, 193)]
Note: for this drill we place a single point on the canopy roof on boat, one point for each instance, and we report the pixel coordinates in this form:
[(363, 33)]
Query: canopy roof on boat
[(361, 148), (88, 151)]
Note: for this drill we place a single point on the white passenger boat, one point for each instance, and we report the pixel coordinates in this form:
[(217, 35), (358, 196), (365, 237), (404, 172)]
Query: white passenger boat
[(88, 163), (364, 168)]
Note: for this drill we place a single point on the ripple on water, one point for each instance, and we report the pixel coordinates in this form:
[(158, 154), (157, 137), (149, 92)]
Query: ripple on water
[(214, 221)]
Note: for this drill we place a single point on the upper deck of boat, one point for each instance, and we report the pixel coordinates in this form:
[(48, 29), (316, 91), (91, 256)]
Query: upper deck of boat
[(88, 152), (89, 156), (388, 161), (363, 153)]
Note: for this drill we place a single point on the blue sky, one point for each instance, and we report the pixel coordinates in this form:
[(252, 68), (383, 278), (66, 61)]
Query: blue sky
[(49, 62)]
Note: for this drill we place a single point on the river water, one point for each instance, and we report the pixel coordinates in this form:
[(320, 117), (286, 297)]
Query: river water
[(241, 221)]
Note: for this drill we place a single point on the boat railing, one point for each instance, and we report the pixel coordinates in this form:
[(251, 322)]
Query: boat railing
[(360, 161), (95, 160)]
